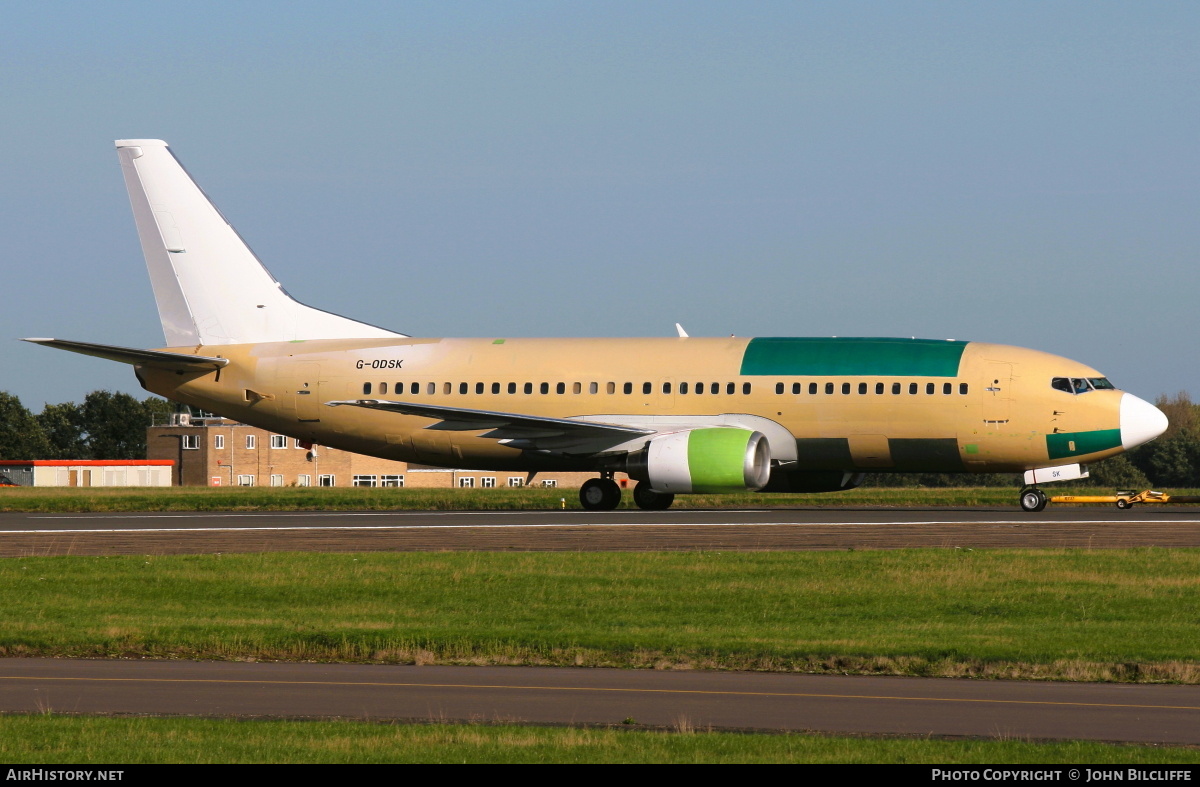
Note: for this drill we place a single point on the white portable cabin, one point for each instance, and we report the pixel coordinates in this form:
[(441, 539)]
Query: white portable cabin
[(88, 472)]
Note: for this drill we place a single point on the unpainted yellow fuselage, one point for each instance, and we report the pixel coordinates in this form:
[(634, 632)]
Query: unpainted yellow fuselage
[(993, 411)]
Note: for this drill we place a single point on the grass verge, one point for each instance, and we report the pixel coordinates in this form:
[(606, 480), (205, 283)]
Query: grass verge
[(1111, 615), (50, 739)]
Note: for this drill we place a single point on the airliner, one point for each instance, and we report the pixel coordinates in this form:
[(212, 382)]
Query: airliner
[(677, 414)]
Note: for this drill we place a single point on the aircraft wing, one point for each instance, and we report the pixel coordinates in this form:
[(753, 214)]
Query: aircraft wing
[(535, 432), (158, 358)]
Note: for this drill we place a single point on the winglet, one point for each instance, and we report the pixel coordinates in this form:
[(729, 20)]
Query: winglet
[(682, 333)]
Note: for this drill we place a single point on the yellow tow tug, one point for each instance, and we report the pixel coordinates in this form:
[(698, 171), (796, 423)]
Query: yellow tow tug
[(1124, 500)]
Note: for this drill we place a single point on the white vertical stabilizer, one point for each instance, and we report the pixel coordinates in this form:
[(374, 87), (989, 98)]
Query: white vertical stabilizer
[(209, 286)]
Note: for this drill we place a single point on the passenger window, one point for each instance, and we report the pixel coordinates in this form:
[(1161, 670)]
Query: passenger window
[(778, 388), (862, 388), (593, 387), (912, 388), (478, 388), (699, 388), (828, 388), (447, 388), (611, 388), (512, 388), (462, 388), (528, 388), (431, 388), (415, 389), (845, 388), (647, 388), (544, 388), (878, 388), (383, 389), (577, 388), (947, 388), (714, 389), (627, 388), (895, 388), (962, 388), (683, 388), (561, 388), (812, 388), (746, 388), (367, 389), (666, 388), (928, 388), (495, 388), (796, 388), (731, 389)]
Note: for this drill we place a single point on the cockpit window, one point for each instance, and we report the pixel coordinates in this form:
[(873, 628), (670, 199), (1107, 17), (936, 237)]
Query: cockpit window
[(1078, 385)]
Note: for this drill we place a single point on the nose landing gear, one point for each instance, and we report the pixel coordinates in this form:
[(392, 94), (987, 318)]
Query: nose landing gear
[(1033, 499)]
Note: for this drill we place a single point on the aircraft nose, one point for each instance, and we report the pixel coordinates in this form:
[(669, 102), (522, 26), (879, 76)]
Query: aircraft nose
[(1141, 421)]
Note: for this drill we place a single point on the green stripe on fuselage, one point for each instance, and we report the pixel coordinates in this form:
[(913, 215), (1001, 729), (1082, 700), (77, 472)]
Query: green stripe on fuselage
[(852, 357), (1066, 444)]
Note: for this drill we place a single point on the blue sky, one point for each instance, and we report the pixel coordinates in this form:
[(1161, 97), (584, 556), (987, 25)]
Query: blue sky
[(1021, 173)]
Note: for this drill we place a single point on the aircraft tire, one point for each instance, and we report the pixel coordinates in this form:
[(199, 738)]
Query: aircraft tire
[(600, 494), (1033, 499), (1123, 504), (649, 500)]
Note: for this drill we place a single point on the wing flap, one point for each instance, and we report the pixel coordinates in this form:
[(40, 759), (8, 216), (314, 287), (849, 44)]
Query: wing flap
[(517, 429)]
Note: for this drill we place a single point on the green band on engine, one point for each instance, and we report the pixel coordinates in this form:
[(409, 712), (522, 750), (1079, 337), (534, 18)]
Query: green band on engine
[(716, 459)]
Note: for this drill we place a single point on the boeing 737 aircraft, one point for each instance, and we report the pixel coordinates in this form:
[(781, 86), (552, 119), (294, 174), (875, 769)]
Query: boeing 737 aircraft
[(680, 414)]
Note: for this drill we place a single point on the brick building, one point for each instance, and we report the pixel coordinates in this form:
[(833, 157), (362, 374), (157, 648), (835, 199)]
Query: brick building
[(213, 451)]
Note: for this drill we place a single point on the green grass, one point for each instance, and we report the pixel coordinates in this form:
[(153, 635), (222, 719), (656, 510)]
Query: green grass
[(50, 739), (1063, 614), (44, 499)]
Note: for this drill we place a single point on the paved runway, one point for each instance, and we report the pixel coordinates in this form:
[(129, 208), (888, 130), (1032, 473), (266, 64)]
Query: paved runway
[(834, 528), (1135, 713), (679, 700)]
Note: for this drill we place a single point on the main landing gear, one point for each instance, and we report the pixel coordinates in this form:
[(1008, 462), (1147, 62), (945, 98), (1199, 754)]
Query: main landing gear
[(600, 494), (649, 500), (1033, 499), (603, 494)]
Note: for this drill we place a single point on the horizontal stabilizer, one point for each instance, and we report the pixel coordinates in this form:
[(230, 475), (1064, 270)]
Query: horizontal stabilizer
[(181, 362), (515, 429)]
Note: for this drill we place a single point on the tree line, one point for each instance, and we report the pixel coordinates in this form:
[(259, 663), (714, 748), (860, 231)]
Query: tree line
[(107, 425)]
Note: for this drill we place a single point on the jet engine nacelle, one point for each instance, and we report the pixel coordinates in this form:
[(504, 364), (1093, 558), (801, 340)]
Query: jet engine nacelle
[(703, 460)]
